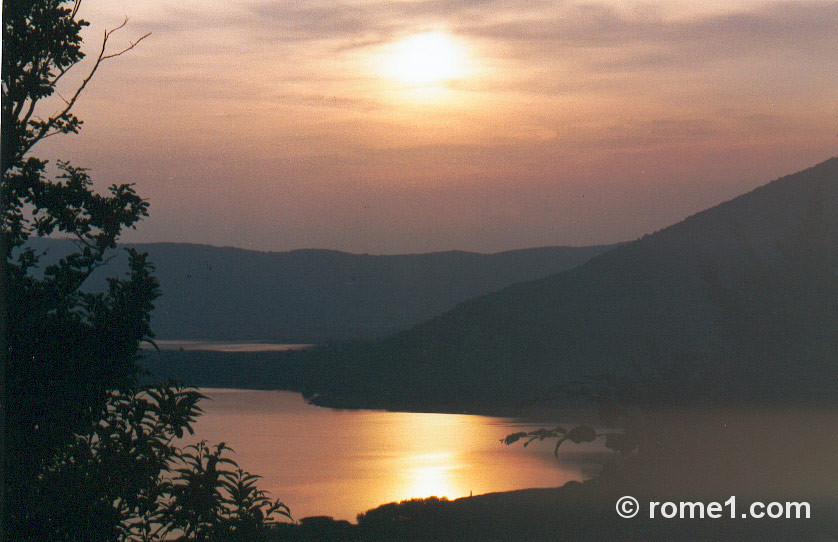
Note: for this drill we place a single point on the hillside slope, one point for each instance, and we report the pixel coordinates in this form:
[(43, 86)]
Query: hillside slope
[(302, 296), (773, 250)]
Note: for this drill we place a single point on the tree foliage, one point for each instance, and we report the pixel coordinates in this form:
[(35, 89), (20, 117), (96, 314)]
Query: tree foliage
[(87, 456), (64, 348), (127, 478)]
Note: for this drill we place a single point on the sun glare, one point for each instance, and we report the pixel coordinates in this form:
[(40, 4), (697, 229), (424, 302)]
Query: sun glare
[(431, 475), (428, 59)]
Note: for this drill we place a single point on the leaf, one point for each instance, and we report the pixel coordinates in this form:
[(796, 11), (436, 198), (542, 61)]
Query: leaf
[(582, 433), (514, 437), (558, 443)]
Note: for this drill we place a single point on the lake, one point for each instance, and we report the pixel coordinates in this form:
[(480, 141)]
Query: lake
[(339, 463), (223, 346)]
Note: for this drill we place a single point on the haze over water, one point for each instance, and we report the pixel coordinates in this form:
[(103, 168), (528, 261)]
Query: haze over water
[(330, 462)]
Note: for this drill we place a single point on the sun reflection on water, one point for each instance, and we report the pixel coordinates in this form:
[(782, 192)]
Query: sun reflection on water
[(346, 462), (433, 456), (431, 475)]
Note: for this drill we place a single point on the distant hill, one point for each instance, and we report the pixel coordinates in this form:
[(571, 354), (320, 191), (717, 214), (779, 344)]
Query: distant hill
[(311, 296), (749, 287)]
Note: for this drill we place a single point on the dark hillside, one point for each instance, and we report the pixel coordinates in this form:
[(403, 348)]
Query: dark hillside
[(773, 252), (311, 296)]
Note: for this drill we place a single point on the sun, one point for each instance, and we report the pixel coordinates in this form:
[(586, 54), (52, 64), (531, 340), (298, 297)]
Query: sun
[(428, 59)]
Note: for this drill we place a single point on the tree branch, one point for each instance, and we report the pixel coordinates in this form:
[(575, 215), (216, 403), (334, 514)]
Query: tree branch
[(76, 7), (44, 131)]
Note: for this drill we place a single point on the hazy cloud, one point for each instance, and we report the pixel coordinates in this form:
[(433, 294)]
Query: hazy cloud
[(271, 121)]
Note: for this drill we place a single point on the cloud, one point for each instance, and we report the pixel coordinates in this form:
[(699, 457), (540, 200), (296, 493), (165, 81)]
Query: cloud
[(655, 38), (539, 47), (279, 103)]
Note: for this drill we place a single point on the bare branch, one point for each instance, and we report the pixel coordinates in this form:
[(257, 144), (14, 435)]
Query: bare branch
[(29, 112), (111, 31), (76, 7), (49, 134), (63, 114), (108, 33), (61, 74), (133, 44)]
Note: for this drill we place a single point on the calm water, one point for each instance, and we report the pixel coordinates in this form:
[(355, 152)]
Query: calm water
[(339, 463), (225, 346)]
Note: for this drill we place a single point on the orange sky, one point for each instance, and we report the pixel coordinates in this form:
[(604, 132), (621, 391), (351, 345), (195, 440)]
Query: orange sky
[(295, 124)]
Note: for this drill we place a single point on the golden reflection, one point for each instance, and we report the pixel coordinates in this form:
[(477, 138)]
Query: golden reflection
[(431, 461), (430, 475), (382, 456)]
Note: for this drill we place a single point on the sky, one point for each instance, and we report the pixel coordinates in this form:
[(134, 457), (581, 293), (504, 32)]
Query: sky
[(382, 127)]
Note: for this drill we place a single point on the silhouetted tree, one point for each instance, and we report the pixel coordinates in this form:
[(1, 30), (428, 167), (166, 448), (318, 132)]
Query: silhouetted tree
[(125, 478), (86, 456), (627, 404)]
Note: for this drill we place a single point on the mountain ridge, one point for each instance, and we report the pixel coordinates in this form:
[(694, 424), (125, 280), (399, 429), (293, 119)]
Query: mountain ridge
[(316, 295), (650, 297)]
